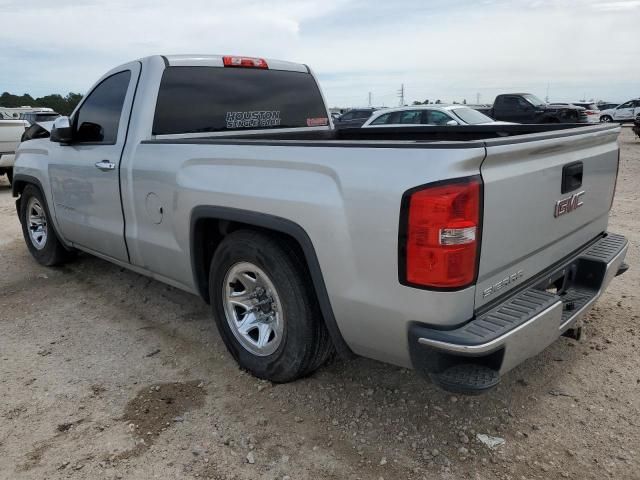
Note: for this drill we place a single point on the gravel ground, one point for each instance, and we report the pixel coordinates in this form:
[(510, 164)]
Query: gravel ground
[(108, 374)]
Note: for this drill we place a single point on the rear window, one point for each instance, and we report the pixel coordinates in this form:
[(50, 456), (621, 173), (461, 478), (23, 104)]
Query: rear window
[(217, 99)]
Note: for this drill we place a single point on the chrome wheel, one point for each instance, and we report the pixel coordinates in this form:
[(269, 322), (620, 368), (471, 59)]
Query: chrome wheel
[(253, 309), (37, 223)]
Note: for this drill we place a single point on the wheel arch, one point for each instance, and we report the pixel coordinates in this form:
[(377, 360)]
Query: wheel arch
[(20, 182), (210, 224)]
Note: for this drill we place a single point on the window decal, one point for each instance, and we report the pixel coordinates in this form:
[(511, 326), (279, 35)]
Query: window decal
[(317, 122), (253, 119)]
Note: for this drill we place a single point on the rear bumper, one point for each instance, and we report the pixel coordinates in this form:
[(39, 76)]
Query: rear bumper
[(526, 322)]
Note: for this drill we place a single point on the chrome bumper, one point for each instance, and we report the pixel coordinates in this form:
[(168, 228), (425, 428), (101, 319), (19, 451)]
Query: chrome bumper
[(528, 321)]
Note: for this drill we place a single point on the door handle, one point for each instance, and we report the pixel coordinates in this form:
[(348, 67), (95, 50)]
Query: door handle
[(105, 165)]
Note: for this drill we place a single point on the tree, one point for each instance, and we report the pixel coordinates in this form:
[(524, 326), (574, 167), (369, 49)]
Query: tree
[(62, 105)]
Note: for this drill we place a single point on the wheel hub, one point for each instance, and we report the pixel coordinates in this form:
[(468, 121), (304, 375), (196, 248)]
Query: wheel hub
[(252, 308), (37, 223)]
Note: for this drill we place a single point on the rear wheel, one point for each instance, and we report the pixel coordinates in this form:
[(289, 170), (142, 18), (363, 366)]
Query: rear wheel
[(265, 308), (606, 119), (39, 235)]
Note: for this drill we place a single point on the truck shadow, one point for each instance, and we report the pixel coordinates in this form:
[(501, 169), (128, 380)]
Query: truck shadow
[(361, 406)]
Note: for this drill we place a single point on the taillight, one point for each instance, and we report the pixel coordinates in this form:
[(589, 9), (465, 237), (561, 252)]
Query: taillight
[(248, 62), (440, 234)]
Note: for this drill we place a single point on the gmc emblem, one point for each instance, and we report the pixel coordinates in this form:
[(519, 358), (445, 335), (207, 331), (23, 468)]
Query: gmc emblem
[(568, 204)]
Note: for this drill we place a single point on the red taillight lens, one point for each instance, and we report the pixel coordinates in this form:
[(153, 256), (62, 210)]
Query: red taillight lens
[(248, 62), (441, 234)]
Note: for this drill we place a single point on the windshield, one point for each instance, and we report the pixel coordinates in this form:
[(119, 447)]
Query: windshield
[(535, 101), (471, 116)]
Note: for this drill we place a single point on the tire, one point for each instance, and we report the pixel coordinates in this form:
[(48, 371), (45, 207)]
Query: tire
[(606, 119), (10, 176), (296, 342), (46, 248)]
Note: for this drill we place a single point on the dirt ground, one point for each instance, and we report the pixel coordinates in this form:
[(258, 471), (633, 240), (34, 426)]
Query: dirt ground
[(108, 374)]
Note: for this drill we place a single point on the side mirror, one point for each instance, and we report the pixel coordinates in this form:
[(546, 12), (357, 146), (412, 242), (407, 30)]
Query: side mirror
[(62, 132), (452, 123)]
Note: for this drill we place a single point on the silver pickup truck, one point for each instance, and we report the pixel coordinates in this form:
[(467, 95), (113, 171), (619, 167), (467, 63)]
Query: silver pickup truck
[(458, 251)]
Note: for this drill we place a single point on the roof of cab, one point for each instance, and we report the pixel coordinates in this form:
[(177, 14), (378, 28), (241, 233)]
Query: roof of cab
[(216, 61)]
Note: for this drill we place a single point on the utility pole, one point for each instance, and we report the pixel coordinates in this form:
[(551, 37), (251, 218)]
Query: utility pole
[(478, 98), (546, 99), (401, 94), (370, 98)]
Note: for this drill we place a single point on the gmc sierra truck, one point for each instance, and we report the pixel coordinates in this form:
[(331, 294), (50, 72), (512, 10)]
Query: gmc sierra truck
[(527, 108), (459, 251)]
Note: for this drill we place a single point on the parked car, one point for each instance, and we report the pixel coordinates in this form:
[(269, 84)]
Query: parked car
[(15, 113), (429, 115), (10, 132), (527, 108), (221, 175), (39, 116), (591, 110), (353, 118), (636, 126), (625, 112)]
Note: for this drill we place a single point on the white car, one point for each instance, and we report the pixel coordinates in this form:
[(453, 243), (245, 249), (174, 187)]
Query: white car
[(10, 133), (429, 115), (626, 112)]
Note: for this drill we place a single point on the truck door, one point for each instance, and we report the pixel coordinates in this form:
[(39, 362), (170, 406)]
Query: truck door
[(624, 112), (511, 108), (84, 175)]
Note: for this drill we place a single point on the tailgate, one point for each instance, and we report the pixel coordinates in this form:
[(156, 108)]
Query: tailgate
[(529, 223)]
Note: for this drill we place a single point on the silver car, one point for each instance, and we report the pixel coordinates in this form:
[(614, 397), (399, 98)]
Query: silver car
[(449, 115)]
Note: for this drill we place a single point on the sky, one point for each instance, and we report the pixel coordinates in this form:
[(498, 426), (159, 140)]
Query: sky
[(438, 49)]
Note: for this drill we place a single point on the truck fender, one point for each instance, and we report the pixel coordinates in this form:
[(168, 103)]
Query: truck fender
[(276, 224)]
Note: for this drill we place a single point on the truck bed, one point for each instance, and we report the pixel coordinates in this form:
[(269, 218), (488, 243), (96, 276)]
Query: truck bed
[(460, 133)]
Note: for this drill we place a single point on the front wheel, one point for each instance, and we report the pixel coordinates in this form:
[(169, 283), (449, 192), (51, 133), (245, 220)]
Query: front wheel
[(265, 307), (606, 119), (38, 232)]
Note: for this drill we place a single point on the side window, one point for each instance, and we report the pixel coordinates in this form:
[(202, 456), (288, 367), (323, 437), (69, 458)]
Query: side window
[(522, 103), (362, 114), (410, 117), (99, 116), (438, 118), (347, 116), (381, 120), (626, 105)]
